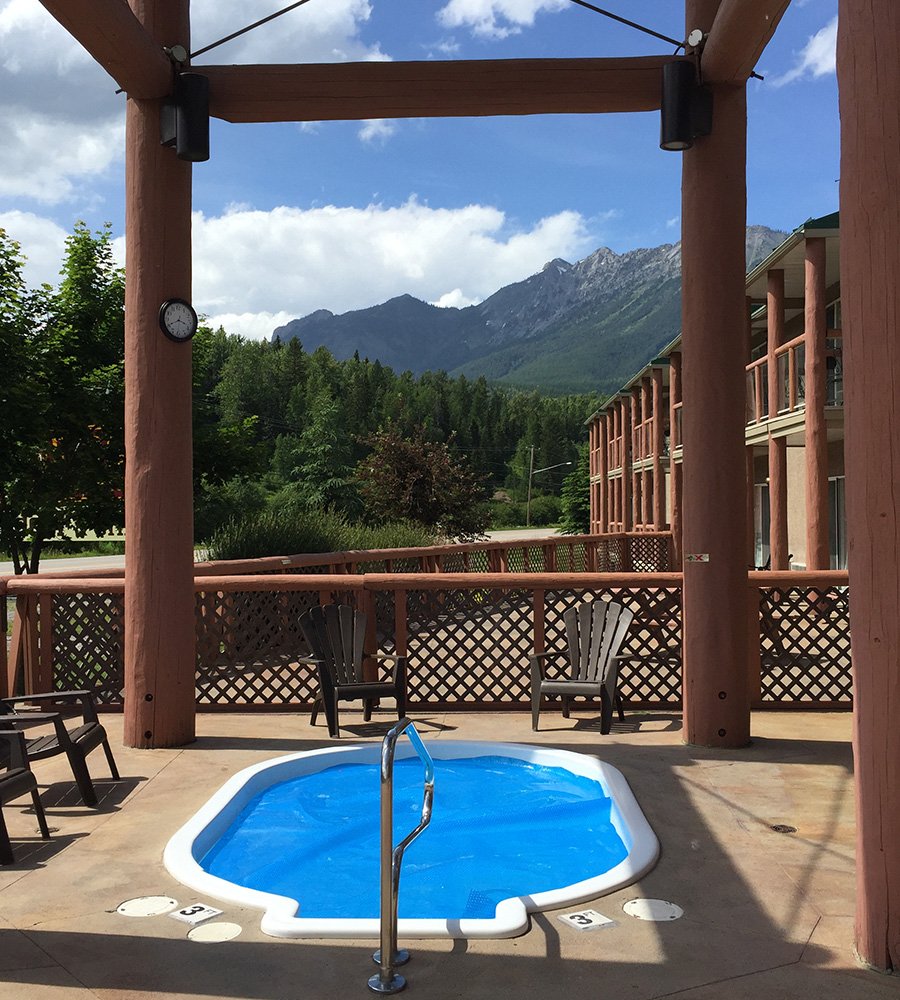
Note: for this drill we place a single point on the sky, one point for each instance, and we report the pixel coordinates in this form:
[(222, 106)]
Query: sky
[(290, 218)]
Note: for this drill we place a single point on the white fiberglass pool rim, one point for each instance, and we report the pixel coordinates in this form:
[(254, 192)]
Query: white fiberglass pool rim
[(281, 919)]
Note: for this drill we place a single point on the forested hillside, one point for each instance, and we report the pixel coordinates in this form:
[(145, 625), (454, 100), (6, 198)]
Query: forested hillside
[(272, 417)]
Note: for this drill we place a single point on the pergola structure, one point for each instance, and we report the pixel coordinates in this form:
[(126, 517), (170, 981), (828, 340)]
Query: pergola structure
[(130, 41)]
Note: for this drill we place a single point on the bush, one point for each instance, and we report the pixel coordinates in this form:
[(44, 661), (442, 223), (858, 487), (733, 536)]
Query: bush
[(507, 514), (288, 529), (216, 504), (544, 511)]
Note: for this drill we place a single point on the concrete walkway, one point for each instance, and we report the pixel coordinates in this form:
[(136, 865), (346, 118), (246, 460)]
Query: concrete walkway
[(766, 914)]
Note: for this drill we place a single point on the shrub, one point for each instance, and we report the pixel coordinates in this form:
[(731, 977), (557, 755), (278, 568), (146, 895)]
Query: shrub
[(544, 511), (289, 529)]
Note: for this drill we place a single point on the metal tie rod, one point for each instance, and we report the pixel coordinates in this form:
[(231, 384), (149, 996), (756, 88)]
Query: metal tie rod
[(387, 957)]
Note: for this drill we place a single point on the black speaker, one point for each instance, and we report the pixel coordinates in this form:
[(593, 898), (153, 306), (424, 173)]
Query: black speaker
[(685, 107), (184, 119)]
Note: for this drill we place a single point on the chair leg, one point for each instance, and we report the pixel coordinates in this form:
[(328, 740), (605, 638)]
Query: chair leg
[(335, 718), (606, 712), (41, 818), (565, 708), (82, 777), (401, 704), (6, 854), (113, 770), (535, 707), (315, 710), (367, 709), (619, 707)]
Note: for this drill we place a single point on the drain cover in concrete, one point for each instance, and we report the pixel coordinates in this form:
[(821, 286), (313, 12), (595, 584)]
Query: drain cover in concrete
[(146, 906), (214, 932), (653, 909)]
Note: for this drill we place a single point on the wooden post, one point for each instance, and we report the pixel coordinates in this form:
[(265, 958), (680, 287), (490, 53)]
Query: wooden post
[(627, 474), (602, 470), (716, 700), (675, 468), (659, 443), (750, 453), (778, 504), (160, 659), (817, 554), (869, 81)]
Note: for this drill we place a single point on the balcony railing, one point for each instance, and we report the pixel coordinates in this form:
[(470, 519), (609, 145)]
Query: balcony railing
[(467, 636), (790, 360)]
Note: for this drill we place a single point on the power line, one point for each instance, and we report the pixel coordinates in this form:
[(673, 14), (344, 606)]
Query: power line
[(631, 24), (250, 27)]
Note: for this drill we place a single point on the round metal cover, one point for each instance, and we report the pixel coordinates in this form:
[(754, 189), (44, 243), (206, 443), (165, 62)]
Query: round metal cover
[(215, 932), (653, 909), (146, 906)]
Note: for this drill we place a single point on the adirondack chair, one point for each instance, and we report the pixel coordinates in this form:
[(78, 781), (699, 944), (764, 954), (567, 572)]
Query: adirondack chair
[(336, 635), (595, 631), (76, 743), (15, 781)]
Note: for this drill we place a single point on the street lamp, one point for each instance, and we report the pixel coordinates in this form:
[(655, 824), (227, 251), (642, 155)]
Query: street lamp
[(532, 471)]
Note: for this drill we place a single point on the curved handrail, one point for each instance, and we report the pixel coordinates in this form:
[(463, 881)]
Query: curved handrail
[(392, 857)]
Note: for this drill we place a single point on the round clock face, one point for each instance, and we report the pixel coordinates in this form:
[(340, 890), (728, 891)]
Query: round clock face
[(177, 319)]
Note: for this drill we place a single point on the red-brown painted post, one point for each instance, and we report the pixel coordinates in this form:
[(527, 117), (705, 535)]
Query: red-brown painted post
[(868, 66), (160, 658), (716, 698), (602, 470), (778, 501), (627, 472), (659, 444), (675, 468), (817, 554), (646, 473)]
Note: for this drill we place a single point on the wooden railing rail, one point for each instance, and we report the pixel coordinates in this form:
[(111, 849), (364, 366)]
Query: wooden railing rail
[(467, 635)]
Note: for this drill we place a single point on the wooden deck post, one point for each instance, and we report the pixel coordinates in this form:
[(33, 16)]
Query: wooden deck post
[(602, 471), (716, 698), (675, 468), (160, 659), (869, 81), (659, 444), (817, 555), (778, 501)]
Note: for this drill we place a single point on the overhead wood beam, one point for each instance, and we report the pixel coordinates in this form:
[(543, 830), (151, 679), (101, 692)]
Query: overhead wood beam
[(739, 34), (459, 88), (116, 39)]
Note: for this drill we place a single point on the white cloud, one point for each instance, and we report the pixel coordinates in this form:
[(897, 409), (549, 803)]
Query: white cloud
[(376, 130), (316, 32), (43, 243), (253, 326), (454, 300), (256, 268), (816, 58), (495, 18), (673, 222)]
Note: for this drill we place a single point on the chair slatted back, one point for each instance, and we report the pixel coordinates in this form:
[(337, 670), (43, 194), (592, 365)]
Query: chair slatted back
[(595, 631), (336, 634)]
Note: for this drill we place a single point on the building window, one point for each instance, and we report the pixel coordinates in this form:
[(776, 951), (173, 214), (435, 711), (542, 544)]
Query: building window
[(761, 553), (837, 517)]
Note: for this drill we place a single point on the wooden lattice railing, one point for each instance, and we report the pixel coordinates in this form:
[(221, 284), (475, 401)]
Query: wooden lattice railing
[(467, 635)]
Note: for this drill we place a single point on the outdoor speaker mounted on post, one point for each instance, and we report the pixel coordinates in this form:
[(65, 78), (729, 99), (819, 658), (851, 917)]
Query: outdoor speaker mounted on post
[(686, 106), (184, 119)]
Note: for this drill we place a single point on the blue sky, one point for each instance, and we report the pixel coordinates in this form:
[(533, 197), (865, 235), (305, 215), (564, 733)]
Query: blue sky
[(291, 218)]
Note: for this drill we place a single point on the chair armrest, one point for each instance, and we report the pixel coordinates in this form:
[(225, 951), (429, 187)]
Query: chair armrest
[(85, 698), (537, 661), (25, 720), (18, 756), (311, 660)]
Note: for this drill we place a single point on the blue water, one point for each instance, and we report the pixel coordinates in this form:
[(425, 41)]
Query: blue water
[(501, 827)]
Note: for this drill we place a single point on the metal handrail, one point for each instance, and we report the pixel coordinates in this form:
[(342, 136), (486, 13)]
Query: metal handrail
[(387, 957)]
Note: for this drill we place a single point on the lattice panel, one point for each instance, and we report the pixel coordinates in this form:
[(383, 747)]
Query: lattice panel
[(649, 554), (247, 648), (652, 673), (469, 647), (454, 562), (805, 645), (89, 645), (479, 561)]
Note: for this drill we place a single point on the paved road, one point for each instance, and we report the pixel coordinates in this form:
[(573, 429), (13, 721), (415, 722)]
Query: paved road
[(107, 562)]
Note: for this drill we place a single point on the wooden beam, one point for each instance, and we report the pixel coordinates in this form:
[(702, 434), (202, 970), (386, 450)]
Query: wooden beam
[(116, 39), (460, 88), (739, 34)]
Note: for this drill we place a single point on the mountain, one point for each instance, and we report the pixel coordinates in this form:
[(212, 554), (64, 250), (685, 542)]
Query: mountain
[(577, 327)]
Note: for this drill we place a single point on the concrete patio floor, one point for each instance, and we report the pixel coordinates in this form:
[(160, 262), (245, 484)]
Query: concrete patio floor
[(766, 914)]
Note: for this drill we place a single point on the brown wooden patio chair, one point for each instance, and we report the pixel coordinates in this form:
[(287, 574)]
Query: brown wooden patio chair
[(76, 743), (595, 631), (335, 634), (16, 781)]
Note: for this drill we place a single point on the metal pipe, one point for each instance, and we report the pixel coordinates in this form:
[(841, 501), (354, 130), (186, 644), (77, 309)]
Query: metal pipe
[(387, 957)]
